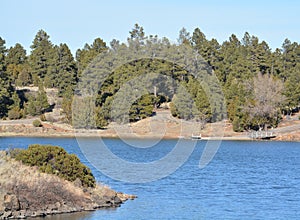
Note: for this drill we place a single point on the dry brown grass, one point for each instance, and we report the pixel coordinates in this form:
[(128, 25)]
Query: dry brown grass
[(37, 188)]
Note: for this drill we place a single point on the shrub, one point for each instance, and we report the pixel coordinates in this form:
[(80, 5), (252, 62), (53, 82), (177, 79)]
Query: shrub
[(43, 117), (173, 110), (237, 127), (55, 160), (14, 113), (37, 123), (23, 113)]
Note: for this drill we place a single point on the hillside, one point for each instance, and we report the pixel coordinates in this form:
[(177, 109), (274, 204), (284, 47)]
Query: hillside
[(204, 80)]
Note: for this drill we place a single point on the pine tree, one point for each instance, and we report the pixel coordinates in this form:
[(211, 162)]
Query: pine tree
[(40, 57), (24, 77), (84, 112), (5, 94), (15, 110), (30, 106), (16, 55), (6, 89), (38, 103), (184, 37), (101, 118), (103, 113), (62, 72), (41, 103), (137, 37), (292, 89), (67, 104), (228, 68), (184, 104), (200, 43), (86, 55), (2, 56), (142, 108), (258, 55), (16, 61)]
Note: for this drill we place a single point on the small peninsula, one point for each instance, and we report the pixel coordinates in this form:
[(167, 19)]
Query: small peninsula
[(26, 191)]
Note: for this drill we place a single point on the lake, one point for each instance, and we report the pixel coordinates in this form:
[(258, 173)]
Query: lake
[(245, 180)]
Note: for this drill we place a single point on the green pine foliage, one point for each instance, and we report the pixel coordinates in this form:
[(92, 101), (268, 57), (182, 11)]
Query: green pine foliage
[(84, 112), (3, 51), (55, 160), (62, 72), (142, 108), (6, 89), (38, 103), (41, 55), (67, 104), (15, 110), (16, 62), (24, 77), (85, 56)]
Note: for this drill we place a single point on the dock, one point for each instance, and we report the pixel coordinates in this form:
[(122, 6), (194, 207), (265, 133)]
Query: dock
[(196, 137), (263, 135)]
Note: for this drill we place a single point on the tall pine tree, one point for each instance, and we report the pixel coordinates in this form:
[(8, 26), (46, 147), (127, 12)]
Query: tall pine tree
[(16, 61), (6, 89), (85, 56), (62, 72), (40, 57)]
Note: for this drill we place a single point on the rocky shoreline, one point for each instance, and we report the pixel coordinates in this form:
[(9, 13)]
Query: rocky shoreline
[(26, 192)]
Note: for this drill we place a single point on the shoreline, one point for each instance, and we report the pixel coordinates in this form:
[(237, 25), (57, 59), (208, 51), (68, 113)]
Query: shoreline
[(144, 129), (144, 137)]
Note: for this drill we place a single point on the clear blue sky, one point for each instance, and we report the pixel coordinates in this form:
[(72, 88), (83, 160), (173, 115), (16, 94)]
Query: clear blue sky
[(78, 22)]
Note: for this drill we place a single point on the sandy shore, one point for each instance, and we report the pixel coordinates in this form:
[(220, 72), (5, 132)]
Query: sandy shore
[(162, 126), (101, 134)]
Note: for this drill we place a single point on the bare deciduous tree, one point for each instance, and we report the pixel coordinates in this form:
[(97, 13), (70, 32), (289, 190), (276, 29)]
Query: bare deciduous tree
[(266, 99)]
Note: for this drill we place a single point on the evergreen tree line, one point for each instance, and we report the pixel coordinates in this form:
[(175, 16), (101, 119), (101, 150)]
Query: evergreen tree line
[(260, 85)]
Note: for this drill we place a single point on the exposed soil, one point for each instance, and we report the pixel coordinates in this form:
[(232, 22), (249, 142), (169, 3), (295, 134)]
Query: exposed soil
[(162, 125)]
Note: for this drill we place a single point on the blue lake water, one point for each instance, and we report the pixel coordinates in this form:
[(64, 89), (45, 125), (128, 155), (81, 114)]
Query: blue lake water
[(245, 180)]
